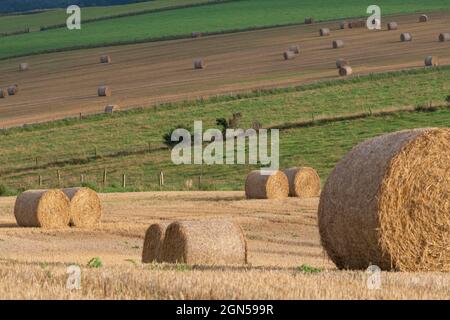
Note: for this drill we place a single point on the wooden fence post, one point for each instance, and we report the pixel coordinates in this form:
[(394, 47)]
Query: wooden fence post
[(40, 181), (124, 181), (161, 179), (104, 177), (82, 178), (58, 174)]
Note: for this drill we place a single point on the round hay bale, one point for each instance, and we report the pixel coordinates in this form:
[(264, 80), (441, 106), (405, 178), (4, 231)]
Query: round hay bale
[(154, 237), (104, 91), (392, 26), (345, 71), (42, 208), (387, 203), (199, 64), (85, 207), (431, 61), (273, 186), (13, 90), (3, 93), (304, 182), (295, 49), (342, 24), (341, 63), (406, 37), (444, 37), (105, 59), (111, 108), (324, 32), (23, 66), (288, 55), (216, 242), (423, 18), (309, 20), (338, 44)]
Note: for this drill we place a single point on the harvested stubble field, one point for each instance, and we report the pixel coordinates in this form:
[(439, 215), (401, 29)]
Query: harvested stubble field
[(282, 236), (64, 84)]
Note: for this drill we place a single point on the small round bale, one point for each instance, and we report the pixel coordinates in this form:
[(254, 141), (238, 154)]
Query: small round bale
[(23, 66), (406, 37), (42, 208), (444, 37), (345, 71), (338, 44), (154, 237), (386, 203), (85, 207), (274, 185), (111, 108), (3, 93), (13, 90), (309, 20), (288, 55), (324, 32), (104, 91), (304, 182), (392, 26), (105, 59), (199, 64), (215, 242), (423, 18), (295, 49), (342, 24), (431, 61), (341, 63), (196, 34)]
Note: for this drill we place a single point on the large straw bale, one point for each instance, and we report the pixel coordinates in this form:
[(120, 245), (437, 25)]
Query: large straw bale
[(271, 186), (387, 203), (216, 242), (304, 182), (154, 237), (42, 208), (85, 207)]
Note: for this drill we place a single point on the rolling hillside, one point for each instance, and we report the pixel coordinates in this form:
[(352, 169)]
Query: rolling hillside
[(131, 142)]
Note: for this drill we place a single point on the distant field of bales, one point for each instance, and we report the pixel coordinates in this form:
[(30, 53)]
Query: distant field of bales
[(235, 15)]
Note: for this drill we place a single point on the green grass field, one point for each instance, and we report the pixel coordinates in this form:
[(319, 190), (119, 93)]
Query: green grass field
[(13, 23), (120, 141), (239, 15)]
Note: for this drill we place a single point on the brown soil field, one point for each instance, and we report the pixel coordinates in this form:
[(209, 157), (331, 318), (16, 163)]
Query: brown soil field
[(64, 84), (282, 235)]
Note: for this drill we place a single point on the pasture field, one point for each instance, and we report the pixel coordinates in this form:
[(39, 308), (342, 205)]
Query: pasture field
[(59, 85), (236, 15), (119, 142), (286, 260), (53, 17)]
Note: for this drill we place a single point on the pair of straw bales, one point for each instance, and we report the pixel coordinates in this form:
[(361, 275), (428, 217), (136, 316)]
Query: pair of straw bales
[(302, 182), (387, 203), (196, 34), (289, 55), (357, 24), (295, 49), (104, 91), (345, 71), (216, 242), (54, 208)]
